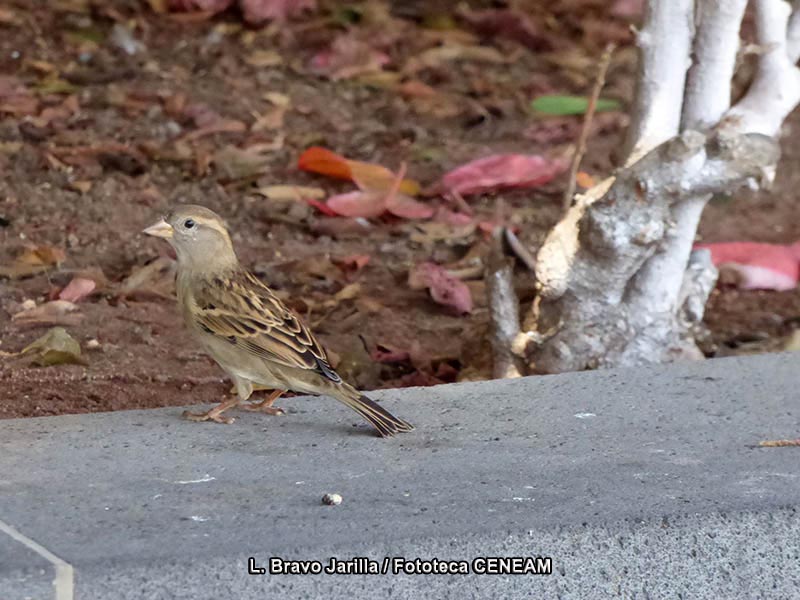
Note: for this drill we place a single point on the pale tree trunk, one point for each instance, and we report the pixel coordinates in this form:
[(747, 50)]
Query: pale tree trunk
[(618, 281)]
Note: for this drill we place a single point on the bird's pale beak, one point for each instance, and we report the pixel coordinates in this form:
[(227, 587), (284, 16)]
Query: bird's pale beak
[(161, 229)]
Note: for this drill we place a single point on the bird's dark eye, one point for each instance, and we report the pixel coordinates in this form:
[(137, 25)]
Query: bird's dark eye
[(188, 223)]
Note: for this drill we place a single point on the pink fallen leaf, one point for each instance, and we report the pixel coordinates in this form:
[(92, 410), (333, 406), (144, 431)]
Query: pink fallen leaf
[(388, 354), (627, 9), (509, 23), (449, 217), (406, 207), (444, 288), (501, 171), (352, 262), (366, 204), (211, 6), (258, 11), (77, 289), (321, 207), (370, 202), (348, 57), (757, 265)]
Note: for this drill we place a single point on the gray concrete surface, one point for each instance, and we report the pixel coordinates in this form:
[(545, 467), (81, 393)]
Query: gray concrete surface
[(636, 483)]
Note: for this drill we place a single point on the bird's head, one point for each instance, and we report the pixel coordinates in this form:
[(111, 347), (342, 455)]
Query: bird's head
[(199, 236)]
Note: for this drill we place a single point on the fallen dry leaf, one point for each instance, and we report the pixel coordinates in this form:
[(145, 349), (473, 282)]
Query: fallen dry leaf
[(263, 58), (270, 120), (83, 186), (56, 347), (352, 262), (501, 171), (155, 279), (368, 176), (584, 180), (56, 312), (509, 23), (365, 204), (440, 55), (757, 266), (77, 289), (240, 163), (369, 202), (383, 353), (406, 207), (443, 287), (32, 261), (291, 192), (258, 11), (348, 57)]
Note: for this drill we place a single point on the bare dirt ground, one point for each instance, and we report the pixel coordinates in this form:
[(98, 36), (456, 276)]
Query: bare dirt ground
[(96, 143)]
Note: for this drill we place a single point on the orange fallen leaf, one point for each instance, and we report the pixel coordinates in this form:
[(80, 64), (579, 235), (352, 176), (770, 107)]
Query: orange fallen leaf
[(368, 176), (325, 162), (584, 180)]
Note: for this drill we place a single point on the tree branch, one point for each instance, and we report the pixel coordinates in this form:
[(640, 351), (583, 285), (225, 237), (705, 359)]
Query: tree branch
[(503, 310), (775, 91), (664, 43), (708, 85)]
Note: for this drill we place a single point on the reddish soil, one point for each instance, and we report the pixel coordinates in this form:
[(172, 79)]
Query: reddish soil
[(92, 158)]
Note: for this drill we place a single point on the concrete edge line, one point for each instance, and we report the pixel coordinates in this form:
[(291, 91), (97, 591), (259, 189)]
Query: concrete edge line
[(64, 582)]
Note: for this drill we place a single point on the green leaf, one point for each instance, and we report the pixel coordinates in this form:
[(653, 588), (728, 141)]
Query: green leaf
[(570, 105), (56, 347)]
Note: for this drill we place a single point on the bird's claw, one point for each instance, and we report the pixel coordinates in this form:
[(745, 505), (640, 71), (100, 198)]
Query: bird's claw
[(207, 416), (267, 410)]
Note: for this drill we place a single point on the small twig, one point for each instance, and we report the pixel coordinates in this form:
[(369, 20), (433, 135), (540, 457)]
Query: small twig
[(520, 251), (503, 310), (580, 149), (778, 443)]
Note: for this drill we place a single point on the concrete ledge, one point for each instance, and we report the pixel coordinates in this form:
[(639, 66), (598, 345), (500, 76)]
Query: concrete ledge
[(637, 483)]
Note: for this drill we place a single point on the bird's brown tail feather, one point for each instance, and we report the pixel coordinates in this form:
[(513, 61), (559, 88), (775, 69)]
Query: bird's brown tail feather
[(380, 418)]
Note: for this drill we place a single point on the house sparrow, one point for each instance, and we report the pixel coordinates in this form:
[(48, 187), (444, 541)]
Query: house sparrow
[(251, 334)]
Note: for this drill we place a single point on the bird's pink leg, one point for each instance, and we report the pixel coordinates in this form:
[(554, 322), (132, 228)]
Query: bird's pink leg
[(215, 414), (265, 405)]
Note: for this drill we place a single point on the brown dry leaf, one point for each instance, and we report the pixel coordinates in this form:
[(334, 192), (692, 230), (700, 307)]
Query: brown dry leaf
[(10, 148), (42, 66), (792, 342), (9, 17), (269, 120), (264, 58), (56, 347), (291, 192), (348, 292), (56, 312), (220, 126), (32, 261), (439, 56), (154, 280), (82, 186), (273, 118), (433, 232), (158, 6), (241, 163)]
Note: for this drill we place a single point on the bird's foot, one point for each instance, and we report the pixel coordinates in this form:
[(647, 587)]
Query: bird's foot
[(215, 414), (207, 416), (267, 410), (265, 406)]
